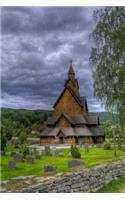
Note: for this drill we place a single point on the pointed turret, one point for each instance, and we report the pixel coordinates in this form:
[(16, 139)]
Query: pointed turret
[(71, 70), (71, 73), (71, 80)]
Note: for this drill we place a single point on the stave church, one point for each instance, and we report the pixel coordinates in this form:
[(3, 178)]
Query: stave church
[(72, 123)]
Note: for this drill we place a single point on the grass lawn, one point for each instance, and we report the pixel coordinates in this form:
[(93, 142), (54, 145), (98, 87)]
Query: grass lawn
[(93, 157), (114, 186)]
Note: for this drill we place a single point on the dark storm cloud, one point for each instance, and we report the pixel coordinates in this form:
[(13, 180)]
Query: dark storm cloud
[(39, 20), (37, 45)]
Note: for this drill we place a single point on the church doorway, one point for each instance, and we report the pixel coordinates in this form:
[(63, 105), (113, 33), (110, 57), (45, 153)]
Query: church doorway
[(60, 136), (60, 140), (76, 140), (94, 140)]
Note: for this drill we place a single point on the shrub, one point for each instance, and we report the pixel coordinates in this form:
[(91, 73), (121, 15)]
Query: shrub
[(75, 151), (24, 150), (107, 146)]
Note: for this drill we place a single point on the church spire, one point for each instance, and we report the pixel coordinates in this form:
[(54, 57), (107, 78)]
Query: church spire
[(71, 70)]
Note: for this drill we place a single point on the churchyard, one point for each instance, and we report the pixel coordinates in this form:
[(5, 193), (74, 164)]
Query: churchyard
[(38, 162)]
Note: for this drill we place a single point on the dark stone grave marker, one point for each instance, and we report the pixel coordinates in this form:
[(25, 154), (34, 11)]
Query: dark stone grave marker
[(47, 150), (11, 164), (86, 148), (49, 168), (75, 163), (18, 157), (30, 159)]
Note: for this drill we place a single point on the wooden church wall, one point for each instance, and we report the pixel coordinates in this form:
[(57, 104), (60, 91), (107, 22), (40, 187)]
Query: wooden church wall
[(55, 140)]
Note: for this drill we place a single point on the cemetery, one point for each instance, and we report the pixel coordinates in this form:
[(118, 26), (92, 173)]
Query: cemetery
[(15, 164)]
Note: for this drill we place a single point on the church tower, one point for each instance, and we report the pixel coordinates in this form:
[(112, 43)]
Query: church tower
[(72, 81)]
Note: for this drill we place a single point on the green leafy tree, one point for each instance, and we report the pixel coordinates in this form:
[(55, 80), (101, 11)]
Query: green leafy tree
[(107, 128), (45, 117), (108, 59)]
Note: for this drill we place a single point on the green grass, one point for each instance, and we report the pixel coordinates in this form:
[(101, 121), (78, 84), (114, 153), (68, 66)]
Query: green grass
[(93, 157), (114, 186)]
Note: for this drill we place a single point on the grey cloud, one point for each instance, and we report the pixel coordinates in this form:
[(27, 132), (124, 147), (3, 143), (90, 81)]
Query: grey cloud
[(40, 20), (37, 45)]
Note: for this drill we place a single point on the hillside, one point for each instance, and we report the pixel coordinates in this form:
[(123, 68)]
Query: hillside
[(16, 121)]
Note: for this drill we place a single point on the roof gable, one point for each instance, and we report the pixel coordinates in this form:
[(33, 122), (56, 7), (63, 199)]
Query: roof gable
[(63, 121)]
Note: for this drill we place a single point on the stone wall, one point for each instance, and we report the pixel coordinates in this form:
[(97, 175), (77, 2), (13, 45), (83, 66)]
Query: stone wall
[(88, 180)]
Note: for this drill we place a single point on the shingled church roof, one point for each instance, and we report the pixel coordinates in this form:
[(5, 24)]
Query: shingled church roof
[(75, 119), (77, 131)]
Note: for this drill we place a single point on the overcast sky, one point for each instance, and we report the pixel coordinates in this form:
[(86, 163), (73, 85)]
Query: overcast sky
[(37, 45)]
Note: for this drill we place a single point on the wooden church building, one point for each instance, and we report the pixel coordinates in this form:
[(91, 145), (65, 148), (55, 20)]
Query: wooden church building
[(71, 122)]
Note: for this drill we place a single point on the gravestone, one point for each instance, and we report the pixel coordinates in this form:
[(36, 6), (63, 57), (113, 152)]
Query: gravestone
[(37, 157), (54, 151), (75, 163), (29, 159), (49, 168), (11, 164), (60, 152), (18, 157), (86, 148), (47, 150)]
